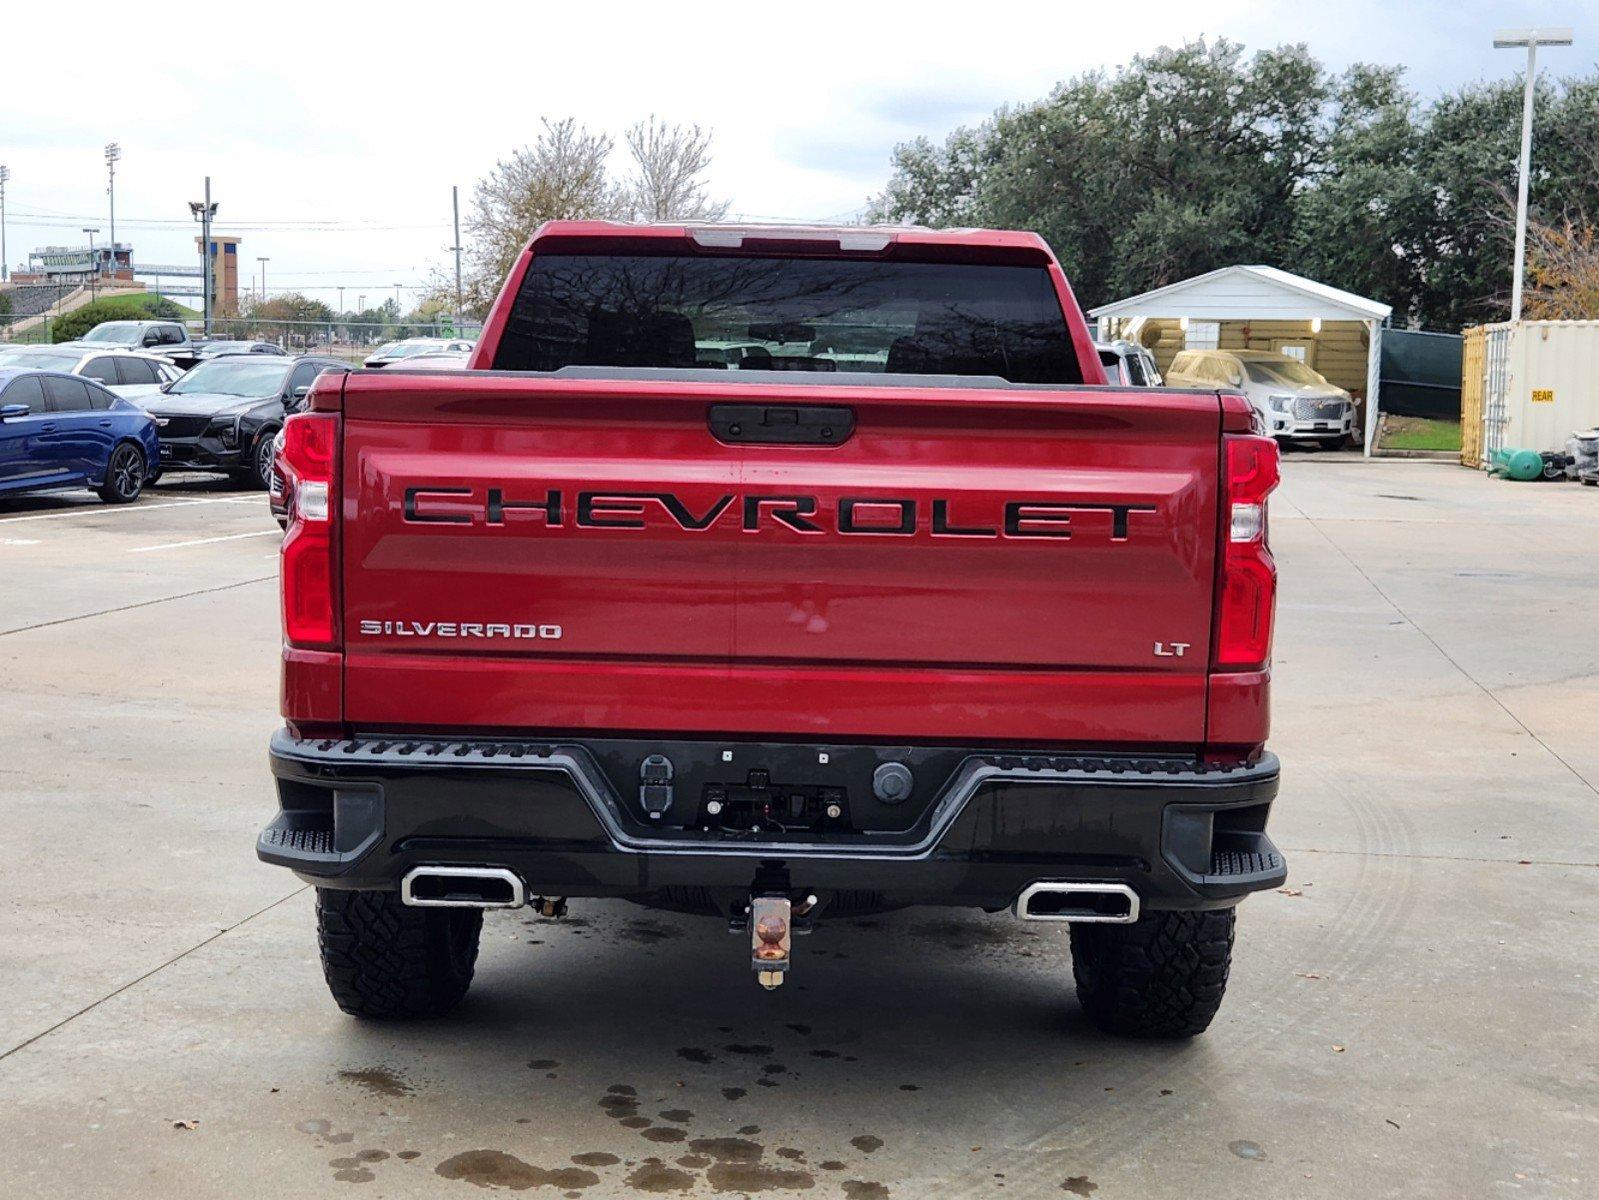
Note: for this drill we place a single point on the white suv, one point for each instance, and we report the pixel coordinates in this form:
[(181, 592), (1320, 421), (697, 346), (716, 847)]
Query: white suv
[(1293, 401)]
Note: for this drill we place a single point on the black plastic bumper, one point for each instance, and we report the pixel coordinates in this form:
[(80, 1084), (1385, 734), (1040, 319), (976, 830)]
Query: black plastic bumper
[(360, 813), (202, 454)]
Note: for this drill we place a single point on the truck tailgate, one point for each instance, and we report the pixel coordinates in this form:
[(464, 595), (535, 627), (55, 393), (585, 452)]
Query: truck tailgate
[(534, 553)]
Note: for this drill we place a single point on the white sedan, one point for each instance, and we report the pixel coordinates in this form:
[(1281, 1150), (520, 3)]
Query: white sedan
[(131, 374)]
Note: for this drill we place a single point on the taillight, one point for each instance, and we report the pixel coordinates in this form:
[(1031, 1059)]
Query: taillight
[(1247, 587), (310, 571)]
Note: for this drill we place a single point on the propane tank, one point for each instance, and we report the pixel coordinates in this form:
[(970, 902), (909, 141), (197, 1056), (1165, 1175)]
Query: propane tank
[(1522, 465)]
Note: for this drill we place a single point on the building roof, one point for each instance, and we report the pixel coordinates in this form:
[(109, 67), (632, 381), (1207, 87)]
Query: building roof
[(1248, 293)]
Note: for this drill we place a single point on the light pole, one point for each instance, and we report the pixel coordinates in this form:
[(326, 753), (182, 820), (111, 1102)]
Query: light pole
[(455, 203), (5, 271), (263, 261), (94, 267), (202, 211), (112, 153), (396, 300), (341, 301), (1506, 39)]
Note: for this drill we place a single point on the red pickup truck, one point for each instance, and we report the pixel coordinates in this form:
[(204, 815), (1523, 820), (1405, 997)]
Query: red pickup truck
[(778, 575)]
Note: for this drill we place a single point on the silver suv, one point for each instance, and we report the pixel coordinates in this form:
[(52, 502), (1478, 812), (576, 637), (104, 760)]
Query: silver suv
[(1293, 401)]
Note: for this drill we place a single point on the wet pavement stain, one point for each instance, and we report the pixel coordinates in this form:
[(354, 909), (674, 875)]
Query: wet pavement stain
[(753, 1048), (694, 1161), (647, 932), (408, 1155), (757, 1177), (695, 1055), (635, 1122), (621, 1089), (497, 1169), (862, 1189), (595, 1158), (909, 1087), (731, 1094), (866, 1143), (728, 1149), (664, 1133), (824, 1053), (1245, 1149), (678, 1116), (354, 1175), (658, 1178), (377, 1081), (773, 1069), (1080, 1185), (372, 1156), (749, 1130), (340, 1139), (791, 1154), (832, 1164)]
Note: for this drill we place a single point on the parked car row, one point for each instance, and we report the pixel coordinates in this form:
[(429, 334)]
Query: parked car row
[(106, 413)]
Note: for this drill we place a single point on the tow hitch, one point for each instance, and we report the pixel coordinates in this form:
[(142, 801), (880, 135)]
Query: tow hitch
[(773, 920), (771, 933)]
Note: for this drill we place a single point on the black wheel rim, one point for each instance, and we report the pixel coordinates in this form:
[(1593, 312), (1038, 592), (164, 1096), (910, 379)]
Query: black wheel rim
[(126, 469)]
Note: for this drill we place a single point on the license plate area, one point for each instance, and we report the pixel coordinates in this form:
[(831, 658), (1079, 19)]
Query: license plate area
[(760, 806)]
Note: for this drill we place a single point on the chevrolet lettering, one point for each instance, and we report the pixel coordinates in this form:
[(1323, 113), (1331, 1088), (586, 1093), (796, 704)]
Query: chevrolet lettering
[(849, 515)]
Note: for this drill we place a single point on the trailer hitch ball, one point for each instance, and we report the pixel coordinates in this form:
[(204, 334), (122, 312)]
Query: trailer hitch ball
[(770, 933)]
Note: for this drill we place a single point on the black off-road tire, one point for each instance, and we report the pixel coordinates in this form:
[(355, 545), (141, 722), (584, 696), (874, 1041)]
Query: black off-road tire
[(1161, 977), (385, 960)]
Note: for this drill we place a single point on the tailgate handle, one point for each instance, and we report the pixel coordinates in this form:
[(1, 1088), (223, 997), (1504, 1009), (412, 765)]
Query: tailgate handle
[(782, 424)]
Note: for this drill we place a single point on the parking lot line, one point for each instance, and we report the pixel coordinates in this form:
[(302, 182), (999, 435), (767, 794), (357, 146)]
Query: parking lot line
[(231, 537), (132, 508)]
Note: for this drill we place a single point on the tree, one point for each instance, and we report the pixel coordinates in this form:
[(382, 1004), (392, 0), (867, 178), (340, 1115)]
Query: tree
[(560, 176), (1365, 219), (669, 162), (1562, 270), (564, 175), (1195, 157), (1187, 159)]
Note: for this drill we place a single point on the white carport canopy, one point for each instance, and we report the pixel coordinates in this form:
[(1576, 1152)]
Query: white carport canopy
[(1256, 293)]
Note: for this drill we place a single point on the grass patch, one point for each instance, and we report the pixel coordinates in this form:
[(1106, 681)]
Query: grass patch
[(146, 302), (1419, 433)]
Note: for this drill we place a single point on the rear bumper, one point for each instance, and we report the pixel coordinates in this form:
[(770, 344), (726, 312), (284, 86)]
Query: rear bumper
[(361, 813)]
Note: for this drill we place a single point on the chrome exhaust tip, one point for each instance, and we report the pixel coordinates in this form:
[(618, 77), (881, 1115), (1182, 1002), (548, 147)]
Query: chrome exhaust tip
[(1084, 903), (462, 887)]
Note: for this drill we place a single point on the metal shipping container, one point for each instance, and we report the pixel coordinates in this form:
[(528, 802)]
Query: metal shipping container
[(1538, 381)]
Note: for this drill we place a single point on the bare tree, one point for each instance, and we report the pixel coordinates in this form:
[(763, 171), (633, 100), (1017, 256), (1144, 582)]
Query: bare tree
[(669, 162), (562, 175), (1563, 270)]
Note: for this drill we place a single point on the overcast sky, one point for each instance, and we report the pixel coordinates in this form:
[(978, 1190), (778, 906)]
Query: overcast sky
[(332, 133)]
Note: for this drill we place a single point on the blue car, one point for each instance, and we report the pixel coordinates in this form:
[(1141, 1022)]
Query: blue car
[(58, 430)]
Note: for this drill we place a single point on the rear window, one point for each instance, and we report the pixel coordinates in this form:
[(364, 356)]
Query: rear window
[(817, 315)]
